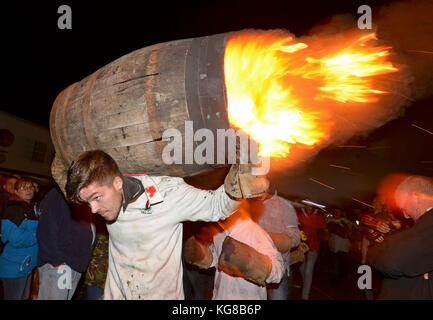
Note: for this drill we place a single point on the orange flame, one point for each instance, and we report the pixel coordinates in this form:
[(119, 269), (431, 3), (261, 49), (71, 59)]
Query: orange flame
[(275, 85)]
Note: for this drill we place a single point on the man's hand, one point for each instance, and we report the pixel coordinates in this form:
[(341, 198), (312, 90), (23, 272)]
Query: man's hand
[(240, 260), (383, 227), (241, 183), (396, 224), (282, 241), (196, 253)]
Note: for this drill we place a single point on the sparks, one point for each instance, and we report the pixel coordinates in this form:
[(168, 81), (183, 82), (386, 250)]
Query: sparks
[(413, 125), (368, 205), (341, 167), (420, 51), (321, 183)]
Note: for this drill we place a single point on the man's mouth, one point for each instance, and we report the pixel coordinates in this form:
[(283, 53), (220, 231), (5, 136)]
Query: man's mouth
[(104, 213)]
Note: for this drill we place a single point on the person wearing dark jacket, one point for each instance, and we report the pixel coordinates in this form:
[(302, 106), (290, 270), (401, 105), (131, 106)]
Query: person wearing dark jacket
[(405, 259), (66, 242), (19, 256), (7, 190)]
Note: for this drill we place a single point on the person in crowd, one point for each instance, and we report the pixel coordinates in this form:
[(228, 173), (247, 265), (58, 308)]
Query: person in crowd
[(405, 259), (96, 272), (18, 234), (245, 258), (9, 185), (66, 242), (144, 216), (7, 191), (376, 225), (198, 283), (340, 229), (315, 228), (278, 218)]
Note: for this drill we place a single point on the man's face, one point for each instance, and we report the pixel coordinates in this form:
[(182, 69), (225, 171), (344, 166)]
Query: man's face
[(25, 191), (105, 200), (10, 185)]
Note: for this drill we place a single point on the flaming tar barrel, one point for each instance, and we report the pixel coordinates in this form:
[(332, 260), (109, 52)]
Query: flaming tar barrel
[(124, 107)]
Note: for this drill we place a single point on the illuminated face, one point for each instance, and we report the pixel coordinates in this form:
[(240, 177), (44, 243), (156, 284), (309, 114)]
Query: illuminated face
[(105, 200), (407, 204), (25, 191), (10, 185)]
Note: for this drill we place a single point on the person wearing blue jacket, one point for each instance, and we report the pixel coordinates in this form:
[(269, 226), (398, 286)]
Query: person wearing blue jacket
[(20, 253)]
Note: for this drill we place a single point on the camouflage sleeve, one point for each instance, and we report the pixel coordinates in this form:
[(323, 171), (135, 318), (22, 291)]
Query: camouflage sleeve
[(98, 266)]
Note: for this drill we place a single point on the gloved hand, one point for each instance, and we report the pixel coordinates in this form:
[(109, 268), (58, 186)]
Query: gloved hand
[(240, 260), (241, 183), (196, 253)]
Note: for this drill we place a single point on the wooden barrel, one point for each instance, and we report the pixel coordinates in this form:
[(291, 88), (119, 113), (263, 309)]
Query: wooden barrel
[(124, 107)]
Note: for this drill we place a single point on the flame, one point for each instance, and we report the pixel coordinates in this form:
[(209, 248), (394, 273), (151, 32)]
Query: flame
[(275, 85)]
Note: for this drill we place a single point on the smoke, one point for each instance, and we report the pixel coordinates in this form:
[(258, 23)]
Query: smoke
[(407, 27)]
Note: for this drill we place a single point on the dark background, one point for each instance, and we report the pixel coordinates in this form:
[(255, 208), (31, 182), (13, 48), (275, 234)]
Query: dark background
[(40, 60)]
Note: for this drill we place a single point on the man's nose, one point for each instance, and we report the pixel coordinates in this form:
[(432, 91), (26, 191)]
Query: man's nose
[(94, 207)]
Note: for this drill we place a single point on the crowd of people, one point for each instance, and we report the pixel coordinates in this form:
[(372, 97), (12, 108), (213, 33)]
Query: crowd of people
[(160, 238), (47, 244)]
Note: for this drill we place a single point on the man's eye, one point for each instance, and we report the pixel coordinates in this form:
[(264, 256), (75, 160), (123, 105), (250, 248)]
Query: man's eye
[(98, 198)]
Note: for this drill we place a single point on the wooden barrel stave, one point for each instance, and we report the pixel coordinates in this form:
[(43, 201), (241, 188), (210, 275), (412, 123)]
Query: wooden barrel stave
[(124, 107)]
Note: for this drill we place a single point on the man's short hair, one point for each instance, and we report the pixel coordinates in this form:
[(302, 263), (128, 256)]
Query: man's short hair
[(394, 186), (415, 183), (5, 178), (94, 166)]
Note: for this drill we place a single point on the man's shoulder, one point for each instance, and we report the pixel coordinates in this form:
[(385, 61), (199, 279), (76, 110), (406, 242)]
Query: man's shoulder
[(164, 185), (158, 180)]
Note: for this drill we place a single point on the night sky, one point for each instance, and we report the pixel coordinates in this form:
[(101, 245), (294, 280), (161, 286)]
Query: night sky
[(40, 60)]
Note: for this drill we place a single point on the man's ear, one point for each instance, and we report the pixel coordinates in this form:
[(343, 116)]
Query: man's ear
[(118, 183)]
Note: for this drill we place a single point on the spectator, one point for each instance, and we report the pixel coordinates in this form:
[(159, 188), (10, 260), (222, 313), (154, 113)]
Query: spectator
[(19, 255), (96, 273), (246, 260), (376, 225), (405, 259), (198, 283), (339, 228), (278, 217), (315, 228), (7, 190), (65, 245)]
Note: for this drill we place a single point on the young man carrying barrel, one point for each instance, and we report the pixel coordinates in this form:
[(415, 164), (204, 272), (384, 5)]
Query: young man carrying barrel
[(144, 216)]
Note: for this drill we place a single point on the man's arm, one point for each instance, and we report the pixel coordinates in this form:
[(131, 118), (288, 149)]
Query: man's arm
[(292, 229), (193, 204)]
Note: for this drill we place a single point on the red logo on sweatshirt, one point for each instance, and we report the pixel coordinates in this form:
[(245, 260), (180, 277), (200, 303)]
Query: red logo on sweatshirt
[(151, 191)]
